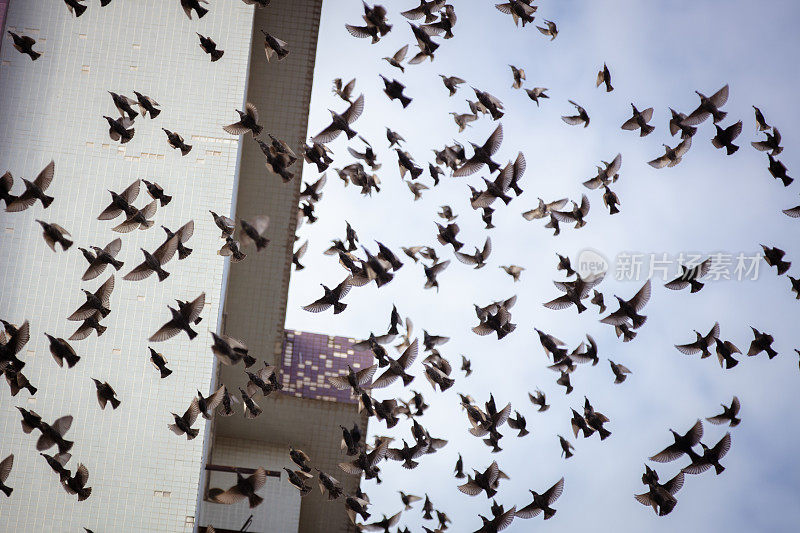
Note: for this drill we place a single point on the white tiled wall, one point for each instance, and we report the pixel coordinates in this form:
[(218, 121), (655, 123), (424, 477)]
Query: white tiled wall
[(144, 478)]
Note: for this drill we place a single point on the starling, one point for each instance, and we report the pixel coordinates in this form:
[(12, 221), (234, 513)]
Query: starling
[(581, 118), (542, 502), (604, 76), (34, 190), (640, 120), (176, 142), (105, 393), (245, 487), (248, 122), (341, 123), (708, 107), (726, 136), (181, 320), (24, 44), (147, 105), (728, 414)]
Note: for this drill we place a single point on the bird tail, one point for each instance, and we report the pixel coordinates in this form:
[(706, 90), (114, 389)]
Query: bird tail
[(255, 500), (581, 307), (201, 11), (719, 468), (786, 180), (257, 130), (261, 243), (184, 252), (568, 454), (548, 513), (350, 133), (338, 307), (114, 403), (79, 9), (493, 167), (496, 114), (646, 130), (192, 433), (162, 274), (732, 148), (165, 372), (6, 490), (405, 100), (613, 209), (490, 492), (117, 264), (165, 199), (415, 173), (192, 334), (719, 115), (446, 383), (72, 360), (730, 363), (569, 388), (783, 266), (186, 148), (696, 285), (84, 493), (35, 55), (154, 113), (31, 389), (128, 135), (770, 352), (523, 432), (609, 88), (101, 329), (47, 200), (249, 360), (65, 243), (407, 379), (604, 433), (64, 446)]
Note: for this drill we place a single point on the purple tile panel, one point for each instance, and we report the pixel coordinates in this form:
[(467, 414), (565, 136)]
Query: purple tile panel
[(309, 359)]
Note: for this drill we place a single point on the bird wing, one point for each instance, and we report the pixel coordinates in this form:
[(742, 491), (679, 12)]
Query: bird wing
[(167, 331), (327, 135), (721, 448), (384, 380), (5, 467), (554, 492), (45, 177), (409, 355), (675, 484), (355, 110), (401, 54), (720, 97), (104, 292), (670, 453), (641, 298), (659, 162), (647, 114), (365, 375), (492, 144), (630, 124), (139, 273), (167, 250)]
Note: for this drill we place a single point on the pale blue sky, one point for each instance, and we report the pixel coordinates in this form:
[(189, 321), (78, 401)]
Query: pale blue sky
[(658, 55)]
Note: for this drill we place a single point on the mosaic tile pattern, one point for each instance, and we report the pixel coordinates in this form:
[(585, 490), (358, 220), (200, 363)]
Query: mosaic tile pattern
[(309, 359)]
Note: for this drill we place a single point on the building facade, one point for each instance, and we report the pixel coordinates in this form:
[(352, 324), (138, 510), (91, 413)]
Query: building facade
[(145, 478)]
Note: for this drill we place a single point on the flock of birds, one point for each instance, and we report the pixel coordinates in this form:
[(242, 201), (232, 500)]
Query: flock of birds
[(485, 419)]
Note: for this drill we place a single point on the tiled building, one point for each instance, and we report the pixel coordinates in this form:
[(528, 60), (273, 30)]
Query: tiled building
[(145, 478)]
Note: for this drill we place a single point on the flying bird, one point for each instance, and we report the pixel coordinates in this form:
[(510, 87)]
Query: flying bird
[(728, 414), (182, 319), (397, 59), (147, 105), (551, 29), (341, 123), (575, 120), (210, 47), (640, 120), (725, 137), (709, 107), (331, 298), (176, 142), (604, 76), (105, 394), (24, 45), (542, 502), (34, 190), (248, 122), (274, 47), (189, 5), (245, 488), (672, 156), (536, 93)]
